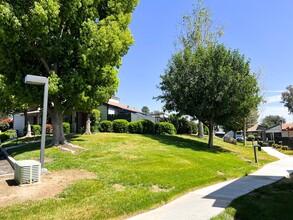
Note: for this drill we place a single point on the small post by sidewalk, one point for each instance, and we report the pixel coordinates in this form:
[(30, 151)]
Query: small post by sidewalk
[(254, 150)]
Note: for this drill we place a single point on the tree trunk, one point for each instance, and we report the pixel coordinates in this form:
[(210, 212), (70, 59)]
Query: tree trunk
[(88, 124), (25, 116), (28, 130), (200, 130), (57, 123), (211, 134), (244, 132)]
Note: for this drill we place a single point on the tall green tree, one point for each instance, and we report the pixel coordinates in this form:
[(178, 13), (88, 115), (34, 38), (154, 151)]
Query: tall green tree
[(77, 44), (238, 123), (198, 30), (213, 84), (145, 109), (287, 98), (272, 120)]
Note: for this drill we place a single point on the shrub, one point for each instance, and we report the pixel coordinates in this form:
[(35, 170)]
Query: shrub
[(49, 129), (206, 130), (250, 137), (135, 127), (183, 126), (271, 142), (95, 117), (106, 126), (158, 128), (4, 125), (278, 146), (95, 128), (11, 133), (66, 127), (120, 126), (284, 147), (3, 137), (148, 126), (36, 129), (81, 130), (193, 127), (167, 128)]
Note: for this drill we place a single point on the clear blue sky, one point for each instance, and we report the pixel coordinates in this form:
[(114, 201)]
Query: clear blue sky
[(262, 30)]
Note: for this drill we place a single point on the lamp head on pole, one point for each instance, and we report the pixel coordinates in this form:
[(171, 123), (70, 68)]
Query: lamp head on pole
[(36, 80)]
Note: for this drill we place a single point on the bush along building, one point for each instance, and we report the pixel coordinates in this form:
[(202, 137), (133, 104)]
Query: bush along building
[(110, 110), (281, 134)]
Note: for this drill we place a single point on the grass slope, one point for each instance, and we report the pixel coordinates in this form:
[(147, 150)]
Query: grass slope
[(270, 202), (134, 173)]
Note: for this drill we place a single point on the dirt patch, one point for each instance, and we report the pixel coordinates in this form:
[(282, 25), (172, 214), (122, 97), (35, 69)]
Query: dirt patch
[(46, 159), (220, 173), (156, 188), (133, 157), (51, 184), (118, 187)]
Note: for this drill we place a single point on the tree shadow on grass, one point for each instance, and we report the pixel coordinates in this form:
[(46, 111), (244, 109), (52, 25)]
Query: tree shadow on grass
[(27, 148), (75, 137), (184, 142)]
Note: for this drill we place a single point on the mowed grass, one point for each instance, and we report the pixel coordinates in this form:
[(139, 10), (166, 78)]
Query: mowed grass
[(133, 173), (272, 202)]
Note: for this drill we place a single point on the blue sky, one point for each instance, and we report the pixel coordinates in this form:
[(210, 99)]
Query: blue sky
[(262, 30)]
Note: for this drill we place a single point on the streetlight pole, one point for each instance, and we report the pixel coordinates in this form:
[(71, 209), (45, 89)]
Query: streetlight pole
[(41, 80)]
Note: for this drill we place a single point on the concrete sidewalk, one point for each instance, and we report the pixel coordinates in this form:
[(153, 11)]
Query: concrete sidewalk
[(208, 202), (5, 167)]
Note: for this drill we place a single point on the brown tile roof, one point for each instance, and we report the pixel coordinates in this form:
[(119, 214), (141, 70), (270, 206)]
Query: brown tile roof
[(124, 107), (253, 128), (287, 126), (256, 127)]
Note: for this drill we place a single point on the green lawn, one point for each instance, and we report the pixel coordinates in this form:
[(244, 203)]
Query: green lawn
[(175, 164), (272, 202)]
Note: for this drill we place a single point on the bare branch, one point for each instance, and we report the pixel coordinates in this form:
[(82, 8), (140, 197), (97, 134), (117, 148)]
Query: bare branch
[(45, 64)]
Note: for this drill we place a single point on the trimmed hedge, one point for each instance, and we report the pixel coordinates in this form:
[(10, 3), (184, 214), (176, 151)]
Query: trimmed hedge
[(8, 134), (183, 126), (193, 127), (135, 127), (106, 126), (11, 133), (148, 126), (250, 137), (66, 127), (158, 128), (271, 142), (120, 126), (167, 128)]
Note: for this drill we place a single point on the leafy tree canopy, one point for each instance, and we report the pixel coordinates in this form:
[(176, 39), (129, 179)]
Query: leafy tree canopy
[(212, 84), (145, 109), (77, 44), (237, 123), (272, 120), (287, 98)]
